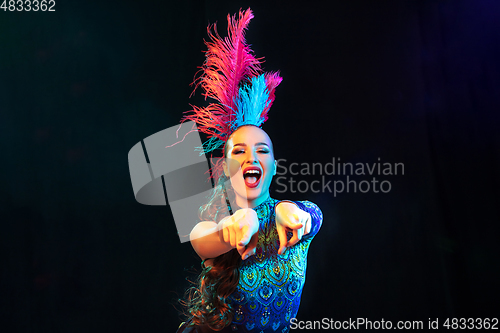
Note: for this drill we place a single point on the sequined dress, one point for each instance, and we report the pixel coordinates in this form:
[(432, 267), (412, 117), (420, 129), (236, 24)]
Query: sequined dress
[(268, 293)]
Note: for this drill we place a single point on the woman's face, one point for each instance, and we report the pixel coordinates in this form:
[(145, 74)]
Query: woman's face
[(251, 165)]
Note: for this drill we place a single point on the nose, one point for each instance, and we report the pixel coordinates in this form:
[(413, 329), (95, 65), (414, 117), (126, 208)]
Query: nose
[(252, 157)]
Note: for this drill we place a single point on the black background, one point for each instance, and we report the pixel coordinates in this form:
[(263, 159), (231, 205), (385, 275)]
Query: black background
[(412, 82)]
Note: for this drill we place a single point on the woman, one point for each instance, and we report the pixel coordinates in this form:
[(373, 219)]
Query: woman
[(254, 260), (249, 259)]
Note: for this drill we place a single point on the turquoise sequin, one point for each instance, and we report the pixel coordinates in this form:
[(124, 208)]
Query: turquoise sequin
[(270, 286)]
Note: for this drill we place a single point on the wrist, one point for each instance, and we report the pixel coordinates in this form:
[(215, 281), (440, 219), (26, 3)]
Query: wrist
[(287, 201), (288, 207)]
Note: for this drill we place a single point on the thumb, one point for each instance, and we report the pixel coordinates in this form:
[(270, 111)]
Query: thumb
[(291, 223), (294, 226)]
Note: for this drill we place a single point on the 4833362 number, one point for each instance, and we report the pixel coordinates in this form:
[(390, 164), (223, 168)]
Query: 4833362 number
[(471, 323), (28, 5)]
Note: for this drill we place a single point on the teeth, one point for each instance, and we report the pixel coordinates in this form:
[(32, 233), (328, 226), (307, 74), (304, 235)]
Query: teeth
[(252, 172)]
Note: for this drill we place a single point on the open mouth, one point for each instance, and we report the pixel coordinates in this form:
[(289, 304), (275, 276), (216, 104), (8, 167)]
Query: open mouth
[(252, 177)]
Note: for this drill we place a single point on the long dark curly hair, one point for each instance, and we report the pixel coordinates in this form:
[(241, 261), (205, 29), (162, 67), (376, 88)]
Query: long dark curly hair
[(207, 301)]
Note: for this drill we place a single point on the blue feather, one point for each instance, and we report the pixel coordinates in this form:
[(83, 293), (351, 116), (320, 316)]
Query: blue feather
[(252, 100)]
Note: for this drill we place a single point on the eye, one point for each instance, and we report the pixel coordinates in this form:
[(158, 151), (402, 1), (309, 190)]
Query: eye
[(263, 151), (237, 152)]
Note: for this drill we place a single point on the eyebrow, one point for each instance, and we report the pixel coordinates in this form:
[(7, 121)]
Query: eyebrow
[(257, 144)]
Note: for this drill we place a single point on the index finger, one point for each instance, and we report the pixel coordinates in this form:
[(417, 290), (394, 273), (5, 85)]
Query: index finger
[(251, 247), (246, 236), (283, 238)]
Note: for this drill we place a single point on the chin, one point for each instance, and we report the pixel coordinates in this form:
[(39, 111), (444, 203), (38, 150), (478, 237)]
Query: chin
[(250, 194)]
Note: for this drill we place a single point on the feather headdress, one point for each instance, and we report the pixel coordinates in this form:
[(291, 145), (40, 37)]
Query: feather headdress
[(233, 77)]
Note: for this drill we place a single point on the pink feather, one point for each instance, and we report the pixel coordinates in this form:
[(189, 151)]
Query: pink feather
[(272, 81), (228, 62)]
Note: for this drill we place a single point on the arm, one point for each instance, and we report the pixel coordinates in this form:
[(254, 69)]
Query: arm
[(206, 241), (316, 216), (303, 219), (240, 231)]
